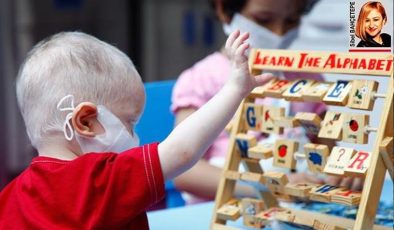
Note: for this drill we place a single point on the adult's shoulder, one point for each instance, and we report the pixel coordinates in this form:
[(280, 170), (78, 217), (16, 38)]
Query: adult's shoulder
[(385, 36), (386, 39), (362, 43)]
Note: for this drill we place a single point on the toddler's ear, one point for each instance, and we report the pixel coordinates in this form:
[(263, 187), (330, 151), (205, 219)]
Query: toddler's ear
[(84, 119)]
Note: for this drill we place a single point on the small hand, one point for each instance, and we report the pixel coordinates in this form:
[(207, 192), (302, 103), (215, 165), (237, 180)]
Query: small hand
[(304, 178), (354, 184), (241, 79)]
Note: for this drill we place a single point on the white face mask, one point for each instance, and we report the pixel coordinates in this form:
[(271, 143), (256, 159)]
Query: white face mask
[(116, 138), (260, 37)]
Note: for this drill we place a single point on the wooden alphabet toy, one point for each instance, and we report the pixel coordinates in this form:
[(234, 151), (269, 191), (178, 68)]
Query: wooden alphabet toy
[(332, 126), (354, 128), (252, 177), (310, 121), (325, 226), (244, 142), (301, 190), (230, 211), (354, 154), (296, 89), (284, 153), (386, 149), (338, 160), (286, 122), (276, 182), (261, 151), (361, 95), (253, 116), (346, 197), (338, 94), (266, 216), (316, 92), (275, 88), (269, 113), (316, 156), (358, 165), (323, 193), (250, 207)]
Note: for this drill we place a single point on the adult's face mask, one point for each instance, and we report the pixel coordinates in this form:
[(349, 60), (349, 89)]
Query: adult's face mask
[(116, 138), (260, 37)]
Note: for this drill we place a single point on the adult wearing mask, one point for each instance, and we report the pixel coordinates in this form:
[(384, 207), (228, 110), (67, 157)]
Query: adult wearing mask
[(272, 24)]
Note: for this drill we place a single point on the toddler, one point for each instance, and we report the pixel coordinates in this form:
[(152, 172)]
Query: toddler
[(80, 99)]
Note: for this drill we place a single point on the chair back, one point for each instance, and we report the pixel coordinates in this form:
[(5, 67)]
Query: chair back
[(157, 121)]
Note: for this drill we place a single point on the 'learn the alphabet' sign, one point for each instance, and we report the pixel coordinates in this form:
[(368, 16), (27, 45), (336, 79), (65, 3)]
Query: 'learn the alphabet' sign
[(376, 64)]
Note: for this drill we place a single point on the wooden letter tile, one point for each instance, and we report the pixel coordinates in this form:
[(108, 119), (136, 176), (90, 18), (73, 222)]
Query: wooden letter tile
[(332, 125), (338, 160), (300, 189), (250, 207), (252, 116), (316, 156), (276, 182), (346, 197), (244, 142), (310, 121), (323, 193), (361, 94), (257, 92), (316, 92), (261, 151), (284, 153), (275, 88), (295, 90), (338, 93), (229, 211), (268, 215), (354, 128), (269, 113), (359, 164), (286, 122)]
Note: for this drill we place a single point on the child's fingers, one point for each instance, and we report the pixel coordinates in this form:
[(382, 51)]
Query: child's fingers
[(357, 184), (346, 182), (333, 180), (263, 78), (231, 39), (240, 40), (240, 53), (313, 179)]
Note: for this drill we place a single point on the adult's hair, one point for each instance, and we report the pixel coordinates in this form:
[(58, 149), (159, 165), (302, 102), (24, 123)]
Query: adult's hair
[(70, 63), (230, 7), (364, 12)]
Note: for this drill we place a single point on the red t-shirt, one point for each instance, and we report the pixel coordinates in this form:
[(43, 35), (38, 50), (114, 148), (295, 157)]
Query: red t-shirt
[(94, 191)]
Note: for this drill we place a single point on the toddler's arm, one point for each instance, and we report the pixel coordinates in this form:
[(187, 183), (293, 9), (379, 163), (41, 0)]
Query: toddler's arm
[(191, 138)]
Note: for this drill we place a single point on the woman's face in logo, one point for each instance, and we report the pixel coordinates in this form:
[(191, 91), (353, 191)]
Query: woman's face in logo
[(374, 23)]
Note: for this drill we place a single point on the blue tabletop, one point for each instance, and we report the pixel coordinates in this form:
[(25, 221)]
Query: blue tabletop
[(199, 216)]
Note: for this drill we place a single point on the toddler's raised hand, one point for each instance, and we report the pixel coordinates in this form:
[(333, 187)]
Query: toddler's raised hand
[(236, 46)]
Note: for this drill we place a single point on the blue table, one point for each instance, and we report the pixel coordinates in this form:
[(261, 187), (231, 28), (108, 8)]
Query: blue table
[(198, 217)]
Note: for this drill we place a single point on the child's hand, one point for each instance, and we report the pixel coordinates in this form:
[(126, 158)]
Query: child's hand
[(240, 78)]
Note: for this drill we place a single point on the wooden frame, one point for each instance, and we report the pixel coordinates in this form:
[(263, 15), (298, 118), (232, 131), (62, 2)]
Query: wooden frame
[(317, 62)]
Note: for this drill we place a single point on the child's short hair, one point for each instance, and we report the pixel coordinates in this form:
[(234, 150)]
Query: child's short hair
[(70, 63)]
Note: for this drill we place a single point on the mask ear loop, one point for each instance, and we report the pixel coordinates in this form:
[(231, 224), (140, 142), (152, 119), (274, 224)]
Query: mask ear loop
[(67, 128)]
